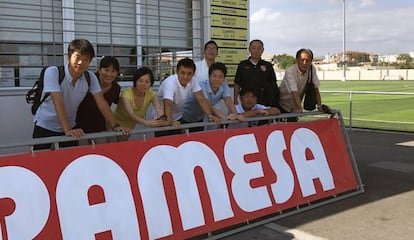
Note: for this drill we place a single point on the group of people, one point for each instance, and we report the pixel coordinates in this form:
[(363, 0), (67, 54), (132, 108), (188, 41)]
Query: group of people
[(82, 104)]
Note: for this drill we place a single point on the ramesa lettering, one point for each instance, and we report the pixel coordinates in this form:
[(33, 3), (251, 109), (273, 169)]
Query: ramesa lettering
[(228, 184)]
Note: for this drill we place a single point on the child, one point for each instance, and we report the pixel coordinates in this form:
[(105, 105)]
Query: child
[(214, 89), (249, 107)]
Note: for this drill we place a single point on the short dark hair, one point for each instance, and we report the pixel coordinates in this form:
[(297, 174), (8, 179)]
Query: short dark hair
[(210, 42), (186, 62), (256, 40), (306, 50), (218, 66), (245, 91), (141, 72), (108, 61), (83, 46)]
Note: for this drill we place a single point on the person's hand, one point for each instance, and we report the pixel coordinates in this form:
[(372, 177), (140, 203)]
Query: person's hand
[(156, 123), (262, 112), (212, 118), (234, 116), (297, 110), (324, 108), (240, 117), (174, 123), (124, 130), (77, 132), (162, 117)]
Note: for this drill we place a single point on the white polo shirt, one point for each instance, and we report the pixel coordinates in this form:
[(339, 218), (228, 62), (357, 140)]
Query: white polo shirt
[(201, 72), (171, 89)]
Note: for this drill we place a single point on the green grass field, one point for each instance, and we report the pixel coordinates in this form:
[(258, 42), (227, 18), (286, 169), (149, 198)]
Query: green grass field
[(375, 111)]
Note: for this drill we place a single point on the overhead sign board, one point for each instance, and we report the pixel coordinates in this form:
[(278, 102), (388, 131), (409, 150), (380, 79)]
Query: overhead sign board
[(232, 55), (228, 21), (230, 3), (229, 33), (229, 28), (229, 11), (231, 43)]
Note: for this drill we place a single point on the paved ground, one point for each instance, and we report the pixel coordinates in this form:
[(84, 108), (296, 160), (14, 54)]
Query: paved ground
[(384, 211)]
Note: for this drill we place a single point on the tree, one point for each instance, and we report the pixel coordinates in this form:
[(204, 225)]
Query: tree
[(283, 61), (405, 61)]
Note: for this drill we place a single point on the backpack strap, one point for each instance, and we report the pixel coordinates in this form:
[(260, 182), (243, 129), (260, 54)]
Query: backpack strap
[(88, 78), (61, 70)]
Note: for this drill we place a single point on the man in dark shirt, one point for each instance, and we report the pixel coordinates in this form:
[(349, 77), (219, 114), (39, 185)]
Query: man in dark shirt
[(255, 73)]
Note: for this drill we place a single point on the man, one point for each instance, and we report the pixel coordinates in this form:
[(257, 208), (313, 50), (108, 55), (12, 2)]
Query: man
[(255, 73), (56, 116), (214, 90), (173, 92), (202, 66), (293, 84)]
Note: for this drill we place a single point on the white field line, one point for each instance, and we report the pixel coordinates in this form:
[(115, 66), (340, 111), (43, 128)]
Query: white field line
[(370, 92), (384, 121)]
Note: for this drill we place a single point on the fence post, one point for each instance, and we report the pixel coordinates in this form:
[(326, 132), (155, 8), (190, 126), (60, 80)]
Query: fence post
[(350, 110)]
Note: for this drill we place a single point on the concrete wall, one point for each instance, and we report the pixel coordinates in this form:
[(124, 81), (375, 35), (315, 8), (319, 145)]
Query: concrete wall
[(406, 74)]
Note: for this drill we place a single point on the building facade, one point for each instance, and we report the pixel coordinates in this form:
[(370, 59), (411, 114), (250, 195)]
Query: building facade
[(154, 33)]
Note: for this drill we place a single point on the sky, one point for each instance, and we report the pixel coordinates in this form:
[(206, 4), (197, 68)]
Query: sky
[(375, 26)]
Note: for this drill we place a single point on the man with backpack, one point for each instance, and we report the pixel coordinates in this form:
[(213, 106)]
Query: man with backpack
[(56, 115)]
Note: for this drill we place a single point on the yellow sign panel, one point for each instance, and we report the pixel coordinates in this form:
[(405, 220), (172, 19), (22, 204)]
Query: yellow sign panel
[(228, 33), (228, 21), (228, 55), (231, 69), (231, 43), (229, 11), (230, 3)]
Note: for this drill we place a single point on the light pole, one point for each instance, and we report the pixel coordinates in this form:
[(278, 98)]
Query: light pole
[(343, 46)]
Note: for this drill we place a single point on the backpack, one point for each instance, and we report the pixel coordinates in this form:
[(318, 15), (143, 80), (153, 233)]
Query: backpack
[(34, 95)]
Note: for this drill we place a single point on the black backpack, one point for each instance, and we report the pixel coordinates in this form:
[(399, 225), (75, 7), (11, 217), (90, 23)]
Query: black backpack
[(34, 95)]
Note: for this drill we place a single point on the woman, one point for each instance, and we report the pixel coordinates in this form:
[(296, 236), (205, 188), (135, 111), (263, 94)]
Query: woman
[(135, 101), (88, 117)]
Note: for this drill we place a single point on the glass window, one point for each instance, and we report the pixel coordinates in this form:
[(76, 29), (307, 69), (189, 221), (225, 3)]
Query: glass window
[(34, 33)]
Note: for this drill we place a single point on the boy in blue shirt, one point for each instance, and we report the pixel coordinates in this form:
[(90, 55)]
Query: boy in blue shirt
[(214, 90)]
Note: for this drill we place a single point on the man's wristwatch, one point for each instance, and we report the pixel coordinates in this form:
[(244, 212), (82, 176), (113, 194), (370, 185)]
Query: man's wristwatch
[(115, 126)]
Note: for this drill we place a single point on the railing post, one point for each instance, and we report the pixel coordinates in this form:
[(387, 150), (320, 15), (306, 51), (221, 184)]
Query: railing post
[(350, 110)]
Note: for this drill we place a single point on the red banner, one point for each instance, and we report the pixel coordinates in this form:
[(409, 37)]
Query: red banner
[(172, 187)]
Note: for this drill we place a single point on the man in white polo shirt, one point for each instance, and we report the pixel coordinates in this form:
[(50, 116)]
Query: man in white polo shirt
[(173, 92)]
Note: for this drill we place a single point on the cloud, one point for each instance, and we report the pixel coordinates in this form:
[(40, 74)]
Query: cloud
[(366, 3), (369, 27)]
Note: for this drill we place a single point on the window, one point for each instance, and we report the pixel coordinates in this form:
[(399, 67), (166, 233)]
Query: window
[(35, 33)]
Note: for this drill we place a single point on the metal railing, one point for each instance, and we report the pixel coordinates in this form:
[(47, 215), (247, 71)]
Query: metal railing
[(147, 132), (351, 103)]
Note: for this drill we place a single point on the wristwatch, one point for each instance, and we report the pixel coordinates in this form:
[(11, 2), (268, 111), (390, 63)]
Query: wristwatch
[(115, 126)]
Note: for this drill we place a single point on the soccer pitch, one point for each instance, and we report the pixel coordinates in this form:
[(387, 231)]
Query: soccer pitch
[(385, 105)]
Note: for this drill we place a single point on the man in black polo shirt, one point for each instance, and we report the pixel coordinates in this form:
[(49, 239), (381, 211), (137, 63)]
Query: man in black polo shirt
[(255, 73)]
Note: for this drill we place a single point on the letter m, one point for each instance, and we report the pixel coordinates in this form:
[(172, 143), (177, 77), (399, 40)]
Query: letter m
[(180, 162)]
